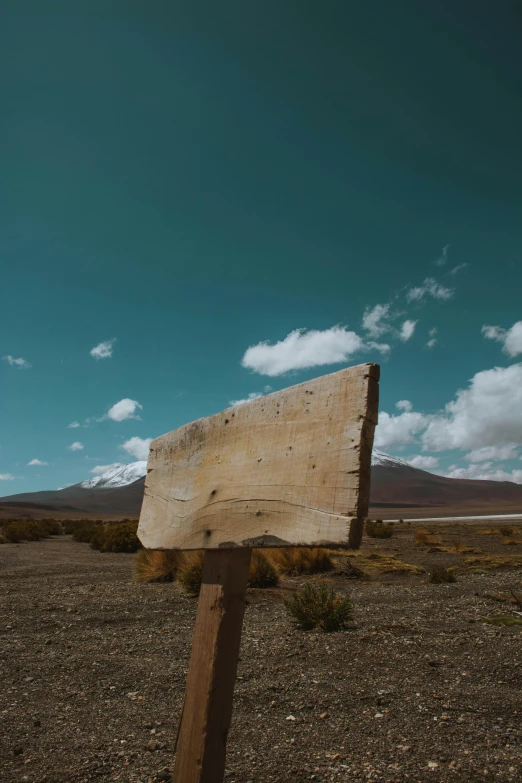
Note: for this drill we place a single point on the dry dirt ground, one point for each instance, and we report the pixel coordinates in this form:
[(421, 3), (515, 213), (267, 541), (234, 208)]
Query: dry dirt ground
[(419, 689)]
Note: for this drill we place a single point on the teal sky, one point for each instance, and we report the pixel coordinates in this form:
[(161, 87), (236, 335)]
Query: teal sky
[(191, 179)]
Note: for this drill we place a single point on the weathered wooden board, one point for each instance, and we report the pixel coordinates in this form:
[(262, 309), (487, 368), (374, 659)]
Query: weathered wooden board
[(288, 469)]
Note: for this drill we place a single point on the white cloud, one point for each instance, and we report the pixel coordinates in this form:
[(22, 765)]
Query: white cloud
[(37, 462), (485, 472), (103, 350), (73, 425), (99, 469), (432, 342), (124, 409), (251, 396), (423, 462), (21, 364), (493, 453), (407, 330), (302, 349), (441, 260), (430, 287), (398, 430), (76, 446), (404, 405), (487, 413), (6, 477), (137, 447), (457, 269), (511, 338), (374, 319)]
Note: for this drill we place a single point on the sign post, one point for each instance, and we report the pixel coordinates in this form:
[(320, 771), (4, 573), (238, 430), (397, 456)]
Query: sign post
[(288, 469)]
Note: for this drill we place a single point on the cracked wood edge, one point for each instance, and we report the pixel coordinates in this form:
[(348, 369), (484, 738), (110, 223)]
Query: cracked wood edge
[(288, 469)]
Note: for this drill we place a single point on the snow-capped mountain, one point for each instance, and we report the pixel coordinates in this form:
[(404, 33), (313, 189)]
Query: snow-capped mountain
[(117, 476), (381, 458)]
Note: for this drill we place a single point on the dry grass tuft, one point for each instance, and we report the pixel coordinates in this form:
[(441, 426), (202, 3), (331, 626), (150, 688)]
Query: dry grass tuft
[(489, 562), (152, 565), (502, 620), (190, 571), (385, 564), (295, 561), (511, 541), (427, 538), (489, 531), (262, 571)]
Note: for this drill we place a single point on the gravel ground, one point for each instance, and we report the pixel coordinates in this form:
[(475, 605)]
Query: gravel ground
[(93, 670)]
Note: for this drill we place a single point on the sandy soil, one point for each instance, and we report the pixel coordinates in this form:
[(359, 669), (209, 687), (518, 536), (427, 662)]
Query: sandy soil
[(420, 689)]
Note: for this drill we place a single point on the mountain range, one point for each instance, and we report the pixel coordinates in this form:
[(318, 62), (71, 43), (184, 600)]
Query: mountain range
[(398, 491)]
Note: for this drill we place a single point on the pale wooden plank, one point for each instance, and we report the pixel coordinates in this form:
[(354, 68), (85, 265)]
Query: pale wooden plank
[(207, 711), (288, 469)]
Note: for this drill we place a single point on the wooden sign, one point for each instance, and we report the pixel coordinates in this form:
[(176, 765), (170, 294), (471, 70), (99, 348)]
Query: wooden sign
[(288, 469)]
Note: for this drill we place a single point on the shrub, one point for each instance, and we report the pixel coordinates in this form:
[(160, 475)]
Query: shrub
[(152, 565), (376, 529), (190, 571), (317, 606), (84, 530), (440, 575), (506, 530), (262, 571), (116, 537), (295, 561), (15, 530)]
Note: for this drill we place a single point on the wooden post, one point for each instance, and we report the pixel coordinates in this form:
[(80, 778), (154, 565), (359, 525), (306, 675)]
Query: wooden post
[(207, 712)]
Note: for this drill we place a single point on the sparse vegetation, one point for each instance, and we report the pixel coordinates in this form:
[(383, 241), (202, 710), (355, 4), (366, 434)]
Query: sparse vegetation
[(317, 606), (440, 575), (152, 565), (377, 529), (262, 571), (295, 561), (506, 530)]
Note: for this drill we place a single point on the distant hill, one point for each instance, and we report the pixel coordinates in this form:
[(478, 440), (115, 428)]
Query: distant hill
[(398, 490)]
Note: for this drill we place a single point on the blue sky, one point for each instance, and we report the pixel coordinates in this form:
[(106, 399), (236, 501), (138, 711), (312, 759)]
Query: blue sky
[(191, 184)]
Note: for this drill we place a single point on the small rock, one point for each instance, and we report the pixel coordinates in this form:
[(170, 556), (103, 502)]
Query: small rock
[(290, 717), (164, 774), (323, 715)]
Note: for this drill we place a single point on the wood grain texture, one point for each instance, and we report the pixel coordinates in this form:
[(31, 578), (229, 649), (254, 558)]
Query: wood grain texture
[(288, 469), (207, 711)]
